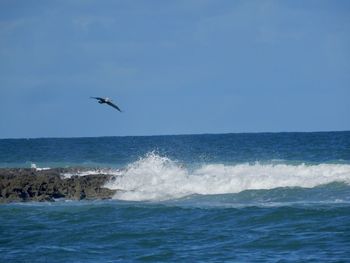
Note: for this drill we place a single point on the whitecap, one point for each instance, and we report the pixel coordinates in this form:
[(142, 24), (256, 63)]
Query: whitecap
[(159, 178)]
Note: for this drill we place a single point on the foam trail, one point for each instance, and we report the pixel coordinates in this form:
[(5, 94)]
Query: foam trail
[(159, 178), (115, 172), (34, 166)]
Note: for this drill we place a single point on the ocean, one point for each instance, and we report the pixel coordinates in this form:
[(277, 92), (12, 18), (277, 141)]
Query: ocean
[(258, 197)]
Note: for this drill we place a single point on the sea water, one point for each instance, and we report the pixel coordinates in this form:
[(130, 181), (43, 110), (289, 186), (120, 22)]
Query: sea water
[(264, 197)]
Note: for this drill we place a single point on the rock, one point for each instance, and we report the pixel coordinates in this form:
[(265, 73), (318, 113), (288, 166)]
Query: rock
[(20, 185)]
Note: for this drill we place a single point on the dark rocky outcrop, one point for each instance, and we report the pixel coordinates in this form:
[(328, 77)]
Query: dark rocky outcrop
[(19, 185)]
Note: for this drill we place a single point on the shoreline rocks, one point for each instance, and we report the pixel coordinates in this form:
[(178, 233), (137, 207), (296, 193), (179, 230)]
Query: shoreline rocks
[(23, 185)]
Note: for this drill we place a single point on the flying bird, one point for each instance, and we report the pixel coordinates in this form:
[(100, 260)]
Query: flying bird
[(107, 101)]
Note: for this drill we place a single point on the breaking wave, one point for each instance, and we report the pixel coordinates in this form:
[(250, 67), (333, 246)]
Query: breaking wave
[(159, 178)]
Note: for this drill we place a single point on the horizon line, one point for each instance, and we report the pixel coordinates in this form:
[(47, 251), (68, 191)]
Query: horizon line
[(160, 135)]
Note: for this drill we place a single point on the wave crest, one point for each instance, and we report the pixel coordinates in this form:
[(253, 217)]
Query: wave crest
[(158, 178)]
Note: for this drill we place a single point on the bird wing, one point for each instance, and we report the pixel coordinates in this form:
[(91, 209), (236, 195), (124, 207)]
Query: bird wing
[(97, 98), (114, 106)]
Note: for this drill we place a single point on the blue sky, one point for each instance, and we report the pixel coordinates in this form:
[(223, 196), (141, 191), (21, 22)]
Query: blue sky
[(174, 67)]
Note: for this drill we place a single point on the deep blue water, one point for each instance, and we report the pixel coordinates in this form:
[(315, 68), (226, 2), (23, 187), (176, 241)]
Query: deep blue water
[(221, 148), (268, 197)]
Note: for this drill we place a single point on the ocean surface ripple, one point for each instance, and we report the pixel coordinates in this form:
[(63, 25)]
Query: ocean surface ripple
[(281, 197)]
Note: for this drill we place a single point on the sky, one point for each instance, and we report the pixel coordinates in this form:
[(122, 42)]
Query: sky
[(173, 67)]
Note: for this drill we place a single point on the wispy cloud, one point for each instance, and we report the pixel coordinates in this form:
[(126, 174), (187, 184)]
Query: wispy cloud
[(87, 21), (266, 22), (11, 25)]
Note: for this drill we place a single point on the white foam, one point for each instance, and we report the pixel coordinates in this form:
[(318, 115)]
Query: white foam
[(159, 178), (92, 172), (33, 166)]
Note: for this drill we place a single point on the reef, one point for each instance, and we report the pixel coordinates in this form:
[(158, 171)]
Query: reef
[(25, 185)]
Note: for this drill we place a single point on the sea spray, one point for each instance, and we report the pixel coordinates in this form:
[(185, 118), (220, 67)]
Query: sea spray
[(156, 177), (306, 219)]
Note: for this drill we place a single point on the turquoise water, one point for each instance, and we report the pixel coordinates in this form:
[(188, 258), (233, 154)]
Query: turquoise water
[(121, 231), (209, 198)]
